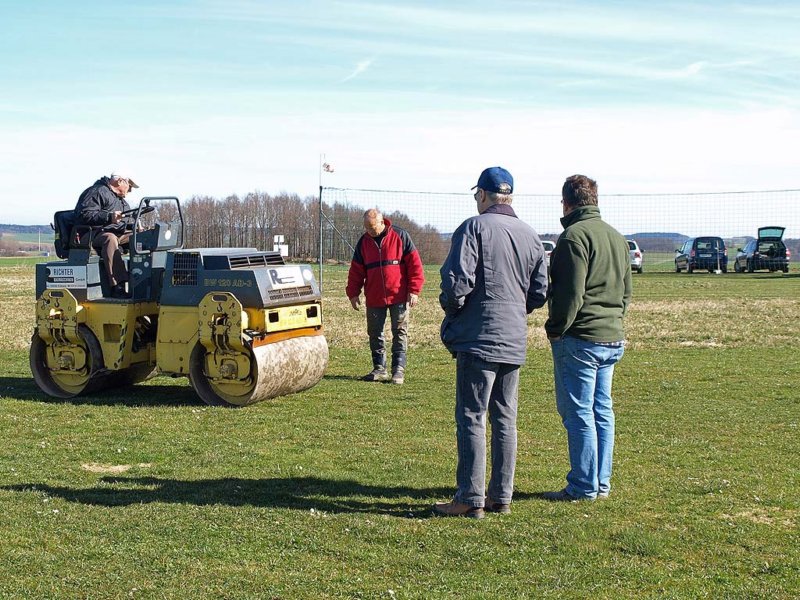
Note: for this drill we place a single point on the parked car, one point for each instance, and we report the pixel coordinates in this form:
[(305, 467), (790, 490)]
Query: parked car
[(766, 252), (706, 252), (637, 257), (548, 249)]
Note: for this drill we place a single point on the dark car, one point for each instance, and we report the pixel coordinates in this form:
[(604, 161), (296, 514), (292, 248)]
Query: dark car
[(702, 253), (766, 252)]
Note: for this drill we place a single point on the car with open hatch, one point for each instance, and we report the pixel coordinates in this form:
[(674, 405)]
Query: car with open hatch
[(766, 252)]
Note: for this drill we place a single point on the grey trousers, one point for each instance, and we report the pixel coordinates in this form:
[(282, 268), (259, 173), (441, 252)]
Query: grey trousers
[(483, 387), (376, 319)]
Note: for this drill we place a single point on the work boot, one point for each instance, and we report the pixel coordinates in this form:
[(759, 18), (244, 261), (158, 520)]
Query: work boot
[(457, 509), (496, 507), (119, 291), (398, 375), (377, 374)]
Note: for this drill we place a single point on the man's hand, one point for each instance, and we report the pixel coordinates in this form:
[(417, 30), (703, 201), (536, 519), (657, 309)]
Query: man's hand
[(355, 302), (413, 300), (116, 217)]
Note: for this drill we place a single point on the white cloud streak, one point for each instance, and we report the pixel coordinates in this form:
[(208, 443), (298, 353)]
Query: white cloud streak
[(360, 68)]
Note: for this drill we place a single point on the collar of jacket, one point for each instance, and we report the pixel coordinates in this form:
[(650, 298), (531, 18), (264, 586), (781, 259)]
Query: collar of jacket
[(501, 209), (582, 213)]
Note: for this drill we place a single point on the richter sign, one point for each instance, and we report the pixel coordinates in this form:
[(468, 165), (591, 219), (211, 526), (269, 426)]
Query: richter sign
[(66, 277)]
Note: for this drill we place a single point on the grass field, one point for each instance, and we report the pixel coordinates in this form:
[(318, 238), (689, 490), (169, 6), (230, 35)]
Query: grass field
[(147, 493)]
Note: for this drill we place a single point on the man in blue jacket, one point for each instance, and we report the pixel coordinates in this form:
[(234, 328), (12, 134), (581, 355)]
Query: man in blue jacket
[(493, 277)]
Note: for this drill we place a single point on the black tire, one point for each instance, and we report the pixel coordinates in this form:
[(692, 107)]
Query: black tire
[(97, 377), (689, 269), (786, 269), (750, 268), (677, 268), (724, 269), (736, 267), (640, 270)]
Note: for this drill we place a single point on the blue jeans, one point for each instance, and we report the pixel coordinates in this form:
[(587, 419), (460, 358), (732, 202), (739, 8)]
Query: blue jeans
[(483, 386), (583, 372), (376, 318)]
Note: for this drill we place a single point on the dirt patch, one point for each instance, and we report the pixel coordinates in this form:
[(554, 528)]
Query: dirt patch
[(774, 517), (111, 469)]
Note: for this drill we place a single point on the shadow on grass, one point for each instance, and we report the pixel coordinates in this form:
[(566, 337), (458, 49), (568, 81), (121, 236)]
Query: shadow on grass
[(24, 388), (299, 493)]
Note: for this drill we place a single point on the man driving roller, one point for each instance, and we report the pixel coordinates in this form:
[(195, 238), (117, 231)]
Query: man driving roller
[(103, 205)]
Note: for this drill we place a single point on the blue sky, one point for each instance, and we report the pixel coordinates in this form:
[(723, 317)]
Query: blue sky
[(231, 96)]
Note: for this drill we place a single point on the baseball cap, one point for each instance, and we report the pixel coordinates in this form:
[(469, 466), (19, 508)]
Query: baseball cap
[(495, 179), (120, 173)]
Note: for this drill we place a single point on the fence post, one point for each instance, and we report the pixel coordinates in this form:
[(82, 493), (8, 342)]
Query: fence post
[(320, 238)]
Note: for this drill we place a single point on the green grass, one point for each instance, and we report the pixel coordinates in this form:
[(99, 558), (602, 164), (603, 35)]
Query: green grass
[(326, 494)]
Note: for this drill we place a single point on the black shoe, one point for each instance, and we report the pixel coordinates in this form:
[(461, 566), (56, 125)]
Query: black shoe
[(118, 291), (377, 374), (563, 496)]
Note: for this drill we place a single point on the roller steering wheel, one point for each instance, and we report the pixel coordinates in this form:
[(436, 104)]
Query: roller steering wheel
[(133, 211), (125, 214)]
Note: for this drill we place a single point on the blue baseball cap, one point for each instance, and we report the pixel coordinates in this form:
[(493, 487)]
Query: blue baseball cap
[(497, 180)]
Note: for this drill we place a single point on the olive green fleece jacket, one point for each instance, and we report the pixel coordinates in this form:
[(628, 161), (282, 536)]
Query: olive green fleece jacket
[(590, 279)]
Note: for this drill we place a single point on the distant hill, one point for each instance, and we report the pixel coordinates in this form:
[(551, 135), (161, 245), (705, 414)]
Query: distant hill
[(659, 234), (658, 241), (6, 228), (25, 239)]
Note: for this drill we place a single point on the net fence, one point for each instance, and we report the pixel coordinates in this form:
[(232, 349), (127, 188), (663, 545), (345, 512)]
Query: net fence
[(659, 223)]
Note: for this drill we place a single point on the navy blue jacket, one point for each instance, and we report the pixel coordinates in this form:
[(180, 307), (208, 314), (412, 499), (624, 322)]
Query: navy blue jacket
[(494, 275)]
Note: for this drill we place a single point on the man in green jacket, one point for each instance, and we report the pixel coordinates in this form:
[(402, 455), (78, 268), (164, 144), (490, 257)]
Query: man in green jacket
[(590, 289)]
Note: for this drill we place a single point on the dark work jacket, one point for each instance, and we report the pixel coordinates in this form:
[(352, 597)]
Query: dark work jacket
[(387, 267), (590, 279), (96, 205), (494, 275)]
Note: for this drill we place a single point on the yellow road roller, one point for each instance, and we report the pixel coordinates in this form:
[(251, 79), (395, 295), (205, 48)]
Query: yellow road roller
[(241, 324)]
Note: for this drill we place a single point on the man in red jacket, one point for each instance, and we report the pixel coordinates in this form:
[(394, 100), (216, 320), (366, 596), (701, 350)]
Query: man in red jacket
[(387, 266)]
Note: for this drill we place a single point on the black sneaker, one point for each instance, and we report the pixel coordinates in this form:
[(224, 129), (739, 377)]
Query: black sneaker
[(119, 291), (377, 374)]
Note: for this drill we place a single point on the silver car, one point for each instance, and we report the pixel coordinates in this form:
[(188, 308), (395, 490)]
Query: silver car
[(637, 256), (548, 249)]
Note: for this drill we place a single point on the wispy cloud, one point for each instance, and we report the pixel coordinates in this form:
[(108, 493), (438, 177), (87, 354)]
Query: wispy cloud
[(360, 68)]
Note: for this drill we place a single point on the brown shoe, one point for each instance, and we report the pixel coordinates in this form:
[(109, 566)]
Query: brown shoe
[(496, 507), (457, 509)]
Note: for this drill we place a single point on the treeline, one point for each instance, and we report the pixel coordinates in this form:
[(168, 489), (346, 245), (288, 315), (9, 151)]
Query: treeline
[(254, 220)]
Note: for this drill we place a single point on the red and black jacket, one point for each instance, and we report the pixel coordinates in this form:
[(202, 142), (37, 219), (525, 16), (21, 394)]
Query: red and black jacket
[(387, 267)]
